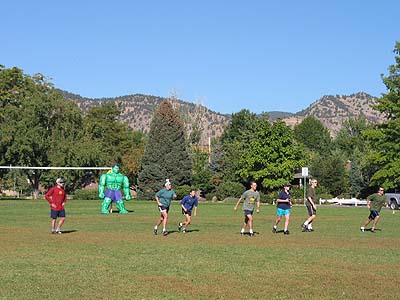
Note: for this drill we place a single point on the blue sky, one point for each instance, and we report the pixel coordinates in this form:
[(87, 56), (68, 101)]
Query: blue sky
[(227, 55)]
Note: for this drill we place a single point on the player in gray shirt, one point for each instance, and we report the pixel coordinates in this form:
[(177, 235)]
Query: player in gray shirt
[(249, 197)]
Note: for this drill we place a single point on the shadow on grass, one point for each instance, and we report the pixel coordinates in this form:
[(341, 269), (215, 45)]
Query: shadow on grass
[(191, 230), (248, 233), (68, 231)]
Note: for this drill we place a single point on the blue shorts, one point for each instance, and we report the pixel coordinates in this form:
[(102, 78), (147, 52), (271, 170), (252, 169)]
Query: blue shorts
[(248, 212), (54, 214), (373, 214), (114, 195), (280, 212)]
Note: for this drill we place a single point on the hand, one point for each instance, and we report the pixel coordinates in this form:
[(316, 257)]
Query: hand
[(235, 208), (53, 205)]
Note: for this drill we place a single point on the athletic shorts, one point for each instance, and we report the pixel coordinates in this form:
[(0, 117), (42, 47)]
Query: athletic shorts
[(280, 212), (163, 208), (373, 214), (311, 210), (248, 212), (188, 212), (54, 214), (114, 195)]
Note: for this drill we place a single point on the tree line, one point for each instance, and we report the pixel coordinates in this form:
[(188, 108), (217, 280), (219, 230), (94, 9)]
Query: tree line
[(39, 128)]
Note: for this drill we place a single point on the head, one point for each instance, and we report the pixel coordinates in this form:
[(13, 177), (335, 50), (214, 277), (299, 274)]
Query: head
[(286, 186), (167, 184), (314, 182), (60, 182), (115, 169), (253, 185), (192, 193), (381, 191)]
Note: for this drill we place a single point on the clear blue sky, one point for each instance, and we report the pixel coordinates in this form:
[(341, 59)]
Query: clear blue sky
[(228, 55)]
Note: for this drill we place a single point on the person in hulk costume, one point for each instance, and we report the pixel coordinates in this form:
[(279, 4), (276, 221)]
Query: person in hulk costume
[(111, 182)]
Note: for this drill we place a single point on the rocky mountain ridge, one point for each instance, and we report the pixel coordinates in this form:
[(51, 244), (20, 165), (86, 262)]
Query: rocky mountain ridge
[(137, 111)]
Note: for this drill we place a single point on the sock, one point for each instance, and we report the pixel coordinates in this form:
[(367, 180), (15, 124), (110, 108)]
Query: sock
[(251, 231), (241, 231), (275, 226), (163, 230), (156, 227), (309, 226), (305, 223)]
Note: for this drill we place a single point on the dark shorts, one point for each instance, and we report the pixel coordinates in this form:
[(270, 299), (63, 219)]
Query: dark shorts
[(373, 214), (188, 212), (311, 210), (114, 195), (54, 214), (163, 208), (248, 212)]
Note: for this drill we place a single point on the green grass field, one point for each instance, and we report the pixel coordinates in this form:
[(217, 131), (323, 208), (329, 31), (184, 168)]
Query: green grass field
[(118, 257)]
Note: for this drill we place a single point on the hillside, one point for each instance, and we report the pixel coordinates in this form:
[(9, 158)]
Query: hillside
[(332, 111), (137, 110)]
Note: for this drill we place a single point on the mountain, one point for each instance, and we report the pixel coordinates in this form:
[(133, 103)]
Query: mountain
[(137, 110), (332, 111)]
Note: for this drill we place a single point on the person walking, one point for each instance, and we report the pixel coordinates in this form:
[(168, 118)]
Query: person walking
[(311, 207), (249, 197), (188, 203), (375, 202), (164, 198), (57, 198), (283, 209)]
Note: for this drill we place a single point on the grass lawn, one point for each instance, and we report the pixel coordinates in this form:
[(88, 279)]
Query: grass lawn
[(118, 257)]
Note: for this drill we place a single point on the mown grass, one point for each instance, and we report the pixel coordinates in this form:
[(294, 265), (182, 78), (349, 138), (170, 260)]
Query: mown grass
[(117, 256)]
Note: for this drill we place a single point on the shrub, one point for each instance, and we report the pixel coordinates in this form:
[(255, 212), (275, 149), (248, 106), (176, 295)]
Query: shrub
[(181, 191), (229, 189), (86, 195)]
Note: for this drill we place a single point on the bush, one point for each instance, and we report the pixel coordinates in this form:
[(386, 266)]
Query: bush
[(229, 189), (181, 191), (86, 195)]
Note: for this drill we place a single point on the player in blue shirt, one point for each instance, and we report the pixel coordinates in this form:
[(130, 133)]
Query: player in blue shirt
[(188, 203), (283, 209)]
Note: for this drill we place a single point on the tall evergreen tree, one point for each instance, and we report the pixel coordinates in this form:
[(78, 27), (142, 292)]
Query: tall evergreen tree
[(166, 154)]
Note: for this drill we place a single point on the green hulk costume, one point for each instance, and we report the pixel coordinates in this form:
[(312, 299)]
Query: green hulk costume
[(112, 182)]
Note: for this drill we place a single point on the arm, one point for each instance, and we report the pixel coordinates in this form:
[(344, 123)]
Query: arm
[(312, 202), (183, 201), (158, 199), (102, 184), (258, 203), (237, 203), (195, 211), (65, 198), (126, 189), (48, 195)]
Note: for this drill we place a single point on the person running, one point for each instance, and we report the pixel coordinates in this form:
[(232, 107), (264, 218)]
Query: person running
[(57, 198), (283, 209), (311, 207), (188, 203), (164, 198), (249, 198), (374, 203)]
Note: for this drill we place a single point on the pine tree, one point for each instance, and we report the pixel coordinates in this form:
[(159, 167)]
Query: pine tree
[(166, 154)]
